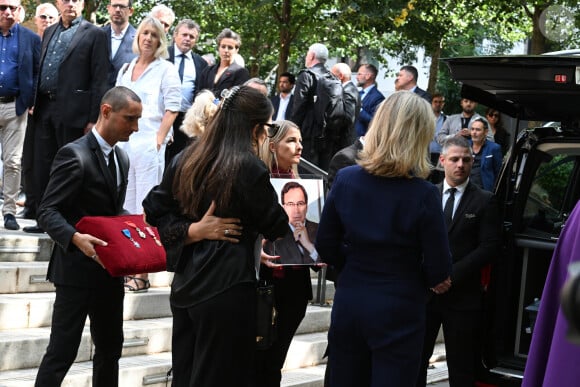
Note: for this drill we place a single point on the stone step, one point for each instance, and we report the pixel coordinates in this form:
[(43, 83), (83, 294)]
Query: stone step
[(34, 310), (25, 346), (30, 277), (18, 246)]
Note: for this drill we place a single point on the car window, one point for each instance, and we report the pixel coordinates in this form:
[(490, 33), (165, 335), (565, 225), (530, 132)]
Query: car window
[(547, 207)]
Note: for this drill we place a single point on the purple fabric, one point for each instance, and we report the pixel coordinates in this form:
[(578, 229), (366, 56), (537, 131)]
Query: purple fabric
[(553, 361)]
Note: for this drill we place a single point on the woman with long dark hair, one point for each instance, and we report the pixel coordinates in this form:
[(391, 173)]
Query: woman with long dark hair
[(213, 292)]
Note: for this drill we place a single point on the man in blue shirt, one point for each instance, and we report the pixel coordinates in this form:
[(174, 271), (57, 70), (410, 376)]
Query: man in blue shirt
[(19, 57)]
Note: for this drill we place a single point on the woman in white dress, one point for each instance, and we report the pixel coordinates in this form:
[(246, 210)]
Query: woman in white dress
[(157, 83)]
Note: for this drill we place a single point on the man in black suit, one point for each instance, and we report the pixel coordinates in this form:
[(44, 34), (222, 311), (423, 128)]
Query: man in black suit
[(120, 35), (89, 178), (407, 80), (344, 158), (74, 71), (473, 226), (284, 102), (189, 66), (19, 74)]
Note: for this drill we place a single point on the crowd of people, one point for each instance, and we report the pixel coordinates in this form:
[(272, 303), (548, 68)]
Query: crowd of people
[(118, 119)]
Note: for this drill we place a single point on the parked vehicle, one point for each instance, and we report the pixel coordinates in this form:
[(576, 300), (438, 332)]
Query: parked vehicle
[(539, 186)]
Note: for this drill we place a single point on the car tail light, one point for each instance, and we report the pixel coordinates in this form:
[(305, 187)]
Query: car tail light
[(560, 78)]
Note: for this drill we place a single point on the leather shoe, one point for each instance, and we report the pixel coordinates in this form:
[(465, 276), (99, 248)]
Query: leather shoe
[(33, 229), (28, 213), (10, 222)]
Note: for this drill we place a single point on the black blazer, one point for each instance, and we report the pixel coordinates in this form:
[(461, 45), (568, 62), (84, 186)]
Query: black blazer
[(343, 158), (80, 185), (123, 55), (276, 103), (235, 75), (83, 75), (199, 63), (474, 240)]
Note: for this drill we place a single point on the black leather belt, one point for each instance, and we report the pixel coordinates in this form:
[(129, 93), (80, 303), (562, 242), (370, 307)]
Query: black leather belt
[(7, 99)]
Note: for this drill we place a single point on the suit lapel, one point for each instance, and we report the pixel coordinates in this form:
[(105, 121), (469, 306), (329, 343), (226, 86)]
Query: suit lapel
[(463, 205), (79, 33)]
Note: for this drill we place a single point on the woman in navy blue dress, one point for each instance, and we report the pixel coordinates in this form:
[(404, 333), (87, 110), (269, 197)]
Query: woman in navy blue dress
[(383, 225)]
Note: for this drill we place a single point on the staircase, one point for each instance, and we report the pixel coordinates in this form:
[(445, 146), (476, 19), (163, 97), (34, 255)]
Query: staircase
[(26, 301)]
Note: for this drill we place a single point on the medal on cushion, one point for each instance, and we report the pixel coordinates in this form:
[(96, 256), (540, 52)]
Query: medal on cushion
[(141, 233), (152, 233), (127, 234)]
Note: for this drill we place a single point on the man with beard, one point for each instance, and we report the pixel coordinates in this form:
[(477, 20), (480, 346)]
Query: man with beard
[(370, 96), (283, 102), (459, 124)]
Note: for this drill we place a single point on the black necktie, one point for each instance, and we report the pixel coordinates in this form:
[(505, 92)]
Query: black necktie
[(448, 210), (181, 66), (112, 166)]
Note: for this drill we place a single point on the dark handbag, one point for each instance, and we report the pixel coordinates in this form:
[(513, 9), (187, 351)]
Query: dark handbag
[(265, 316)]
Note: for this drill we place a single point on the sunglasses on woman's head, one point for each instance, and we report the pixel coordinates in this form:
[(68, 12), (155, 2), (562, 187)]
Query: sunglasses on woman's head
[(272, 129)]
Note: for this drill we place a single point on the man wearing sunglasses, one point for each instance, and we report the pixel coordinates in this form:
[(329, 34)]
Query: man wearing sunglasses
[(46, 15), (19, 57), (120, 35), (74, 70)]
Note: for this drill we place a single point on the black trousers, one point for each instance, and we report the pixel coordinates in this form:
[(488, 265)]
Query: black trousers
[(48, 136), (180, 139), (104, 306), (291, 311), (462, 331), (214, 341)]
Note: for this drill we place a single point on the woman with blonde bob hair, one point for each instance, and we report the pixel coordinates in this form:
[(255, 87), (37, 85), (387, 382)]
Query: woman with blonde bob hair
[(383, 224), (199, 114)]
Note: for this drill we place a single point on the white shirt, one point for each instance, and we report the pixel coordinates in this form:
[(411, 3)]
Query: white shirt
[(160, 90), (283, 107), (189, 75), (458, 194), (106, 149), (116, 40), (365, 92)]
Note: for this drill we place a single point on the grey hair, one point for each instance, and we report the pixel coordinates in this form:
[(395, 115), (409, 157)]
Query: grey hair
[(320, 52)]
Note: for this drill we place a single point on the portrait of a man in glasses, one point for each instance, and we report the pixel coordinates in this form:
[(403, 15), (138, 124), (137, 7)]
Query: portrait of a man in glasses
[(297, 247)]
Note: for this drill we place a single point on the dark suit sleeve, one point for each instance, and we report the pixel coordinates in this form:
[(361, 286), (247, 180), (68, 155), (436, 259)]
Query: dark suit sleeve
[(339, 161), (368, 111), (302, 97), (241, 76), (100, 65), (497, 160), (62, 192), (434, 240), (488, 242)]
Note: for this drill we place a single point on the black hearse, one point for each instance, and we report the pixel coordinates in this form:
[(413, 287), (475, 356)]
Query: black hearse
[(538, 187)]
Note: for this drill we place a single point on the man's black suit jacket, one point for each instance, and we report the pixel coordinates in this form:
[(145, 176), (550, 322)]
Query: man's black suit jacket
[(276, 103), (80, 185), (124, 53), (82, 75), (199, 63), (474, 240), (343, 158)]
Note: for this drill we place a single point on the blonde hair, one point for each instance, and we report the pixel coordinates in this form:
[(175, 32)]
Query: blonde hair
[(397, 142), (268, 156), (199, 114), (161, 51)]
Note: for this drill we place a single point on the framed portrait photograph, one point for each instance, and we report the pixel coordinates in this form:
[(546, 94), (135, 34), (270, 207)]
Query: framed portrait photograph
[(303, 200)]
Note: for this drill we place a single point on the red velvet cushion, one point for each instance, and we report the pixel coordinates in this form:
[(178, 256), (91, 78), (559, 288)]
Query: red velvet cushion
[(121, 257)]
